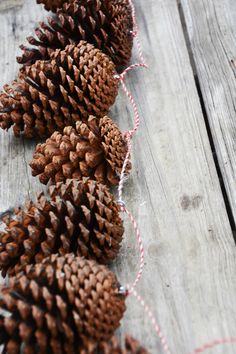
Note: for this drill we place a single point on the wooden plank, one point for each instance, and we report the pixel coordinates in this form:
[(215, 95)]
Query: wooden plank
[(189, 276), (189, 279), (212, 37), (16, 183)]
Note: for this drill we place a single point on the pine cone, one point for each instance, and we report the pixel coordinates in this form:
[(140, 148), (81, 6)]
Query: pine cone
[(96, 150), (132, 346), (51, 5), (80, 217), (107, 24), (49, 95), (61, 305)]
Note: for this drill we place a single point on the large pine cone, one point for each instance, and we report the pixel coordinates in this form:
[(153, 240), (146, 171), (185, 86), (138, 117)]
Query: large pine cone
[(96, 150), (52, 5), (107, 24), (49, 95), (132, 346), (81, 217), (62, 305)]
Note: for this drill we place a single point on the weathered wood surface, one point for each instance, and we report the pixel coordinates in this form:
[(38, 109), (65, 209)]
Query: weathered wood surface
[(212, 37), (189, 278), (8, 4), (16, 183)]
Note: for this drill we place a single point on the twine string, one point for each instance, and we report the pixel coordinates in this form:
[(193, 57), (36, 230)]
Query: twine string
[(154, 323), (135, 31), (131, 288), (213, 344), (131, 67), (128, 135)]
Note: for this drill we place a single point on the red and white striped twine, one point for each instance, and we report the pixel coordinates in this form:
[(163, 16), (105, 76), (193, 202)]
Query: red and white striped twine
[(130, 289), (156, 326), (141, 252), (128, 136), (213, 344), (136, 31)]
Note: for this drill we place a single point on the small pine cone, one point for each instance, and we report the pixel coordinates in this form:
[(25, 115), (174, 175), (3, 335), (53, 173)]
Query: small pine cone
[(49, 95), (61, 305), (51, 5), (96, 150), (107, 24), (80, 217), (132, 346)]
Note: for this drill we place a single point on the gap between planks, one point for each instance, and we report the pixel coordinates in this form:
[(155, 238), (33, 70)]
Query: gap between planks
[(211, 31), (206, 118)]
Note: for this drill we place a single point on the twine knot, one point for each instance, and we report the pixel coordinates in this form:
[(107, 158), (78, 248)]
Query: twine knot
[(121, 203)]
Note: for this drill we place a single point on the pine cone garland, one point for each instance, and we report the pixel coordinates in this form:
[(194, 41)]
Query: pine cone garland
[(96, 150), (62, 305), (51, 5), (49, 95), (80, 217), (107, 24)]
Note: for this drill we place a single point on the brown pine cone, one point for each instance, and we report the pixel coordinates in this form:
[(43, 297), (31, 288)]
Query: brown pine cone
[(51, 5), (80, 217), (49, 95), (107, 24), (61, 305), (132, 346), (96, 150)]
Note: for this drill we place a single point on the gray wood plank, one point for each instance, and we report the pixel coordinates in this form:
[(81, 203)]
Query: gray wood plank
[(212, 37), (16, 183), (174, 192)]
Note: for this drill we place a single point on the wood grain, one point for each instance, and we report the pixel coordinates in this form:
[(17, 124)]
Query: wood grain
[(212, 37), (8, 4), (16, 183), (189, 277)]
